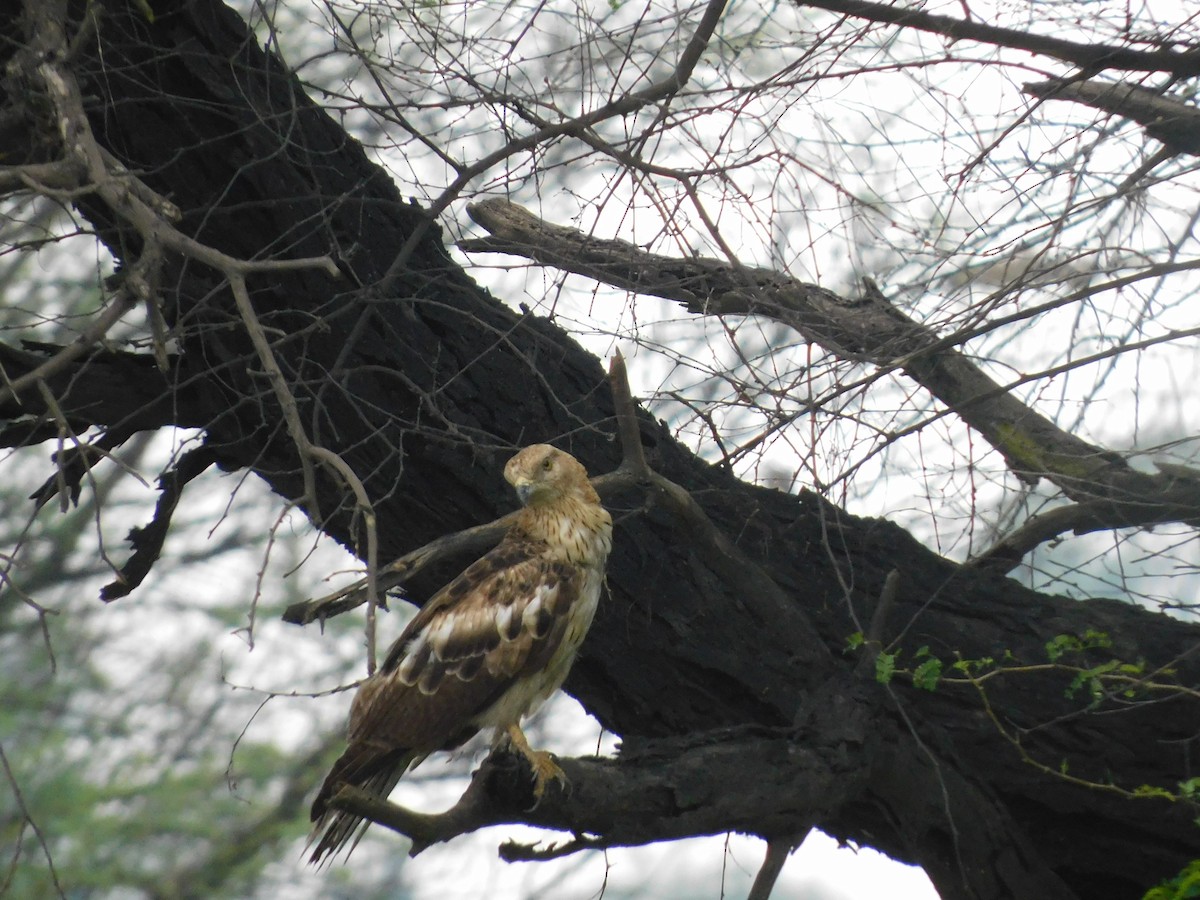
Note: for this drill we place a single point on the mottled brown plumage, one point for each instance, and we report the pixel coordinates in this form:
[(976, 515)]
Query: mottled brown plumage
[(487, 649)]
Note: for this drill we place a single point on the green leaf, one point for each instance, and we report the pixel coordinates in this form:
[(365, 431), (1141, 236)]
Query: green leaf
[(927, 674), (885, 667), (1190, 789), (1152, 790), (971, 666), (1184, 886), (1060, 645)]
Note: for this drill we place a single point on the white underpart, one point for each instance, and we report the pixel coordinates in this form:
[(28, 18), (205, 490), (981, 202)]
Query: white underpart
[(527, 694)]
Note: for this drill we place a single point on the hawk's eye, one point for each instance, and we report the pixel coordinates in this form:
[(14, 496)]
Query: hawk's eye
[(547, 463)]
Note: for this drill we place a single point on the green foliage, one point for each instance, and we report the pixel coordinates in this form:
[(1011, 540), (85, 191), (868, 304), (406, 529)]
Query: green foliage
[(1065, 644), (1151, 791), (1092, 679), (885, 667), (928, 673), (974, 667), (122, 803), (1184, 886), (1095, 682)]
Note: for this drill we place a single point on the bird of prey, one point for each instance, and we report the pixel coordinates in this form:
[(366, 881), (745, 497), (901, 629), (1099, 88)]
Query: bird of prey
[(486, 650)]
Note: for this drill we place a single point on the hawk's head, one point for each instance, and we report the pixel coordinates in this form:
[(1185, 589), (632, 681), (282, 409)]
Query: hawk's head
[(543, 474)]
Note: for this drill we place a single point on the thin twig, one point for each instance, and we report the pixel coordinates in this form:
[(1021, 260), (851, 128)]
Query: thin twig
[(118, 306), (367, 510), (283, 394), (627, 104), (25, 814), (474, 541)]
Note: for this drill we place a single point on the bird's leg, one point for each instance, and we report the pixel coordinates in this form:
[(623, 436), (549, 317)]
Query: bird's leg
[(545, 769)]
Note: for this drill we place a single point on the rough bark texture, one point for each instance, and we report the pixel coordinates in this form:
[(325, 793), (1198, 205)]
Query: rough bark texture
[(424, 384)]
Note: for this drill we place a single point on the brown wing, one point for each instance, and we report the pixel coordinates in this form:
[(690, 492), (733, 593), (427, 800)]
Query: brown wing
[(501, 618)]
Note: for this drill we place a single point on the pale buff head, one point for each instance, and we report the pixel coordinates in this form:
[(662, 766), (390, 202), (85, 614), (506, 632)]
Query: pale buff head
[(543, 474)]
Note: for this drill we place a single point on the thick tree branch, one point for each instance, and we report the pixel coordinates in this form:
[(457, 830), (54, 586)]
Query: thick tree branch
[(118, 306), (1090, 56), (1173, 122), (867, 329), (774, 783), (1078, 518), (750, 780), (744, 780), (104, 388)]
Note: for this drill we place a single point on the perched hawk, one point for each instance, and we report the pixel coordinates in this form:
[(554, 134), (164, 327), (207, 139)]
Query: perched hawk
[(487, 649)]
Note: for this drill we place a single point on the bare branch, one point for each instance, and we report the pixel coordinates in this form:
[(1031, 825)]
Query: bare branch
[(1173, 122), (147, 541), (633, 457), (152, 217), (118, 306), (867, 329), (28, 819), (469, 543), (1007, 553), (112, 389), (778, 850), (1085, 55), (625, 105), (873, 642)]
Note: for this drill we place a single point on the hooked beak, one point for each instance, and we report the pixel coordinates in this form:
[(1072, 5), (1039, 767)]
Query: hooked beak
[(524, 491)]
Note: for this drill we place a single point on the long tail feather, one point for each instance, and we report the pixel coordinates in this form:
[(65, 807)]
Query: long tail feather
[(364, 767)]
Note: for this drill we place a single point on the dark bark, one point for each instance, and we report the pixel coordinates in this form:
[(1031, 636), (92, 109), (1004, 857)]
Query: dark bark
[(424, 384)]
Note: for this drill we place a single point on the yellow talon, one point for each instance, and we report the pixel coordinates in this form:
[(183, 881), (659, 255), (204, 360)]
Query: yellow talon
[(545, 769)]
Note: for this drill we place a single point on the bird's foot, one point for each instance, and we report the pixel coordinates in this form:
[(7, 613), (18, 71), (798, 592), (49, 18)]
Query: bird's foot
[(542, 763), (545, 770)]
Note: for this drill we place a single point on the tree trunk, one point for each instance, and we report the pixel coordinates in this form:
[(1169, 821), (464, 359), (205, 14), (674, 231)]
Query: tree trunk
[(424, 384)]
